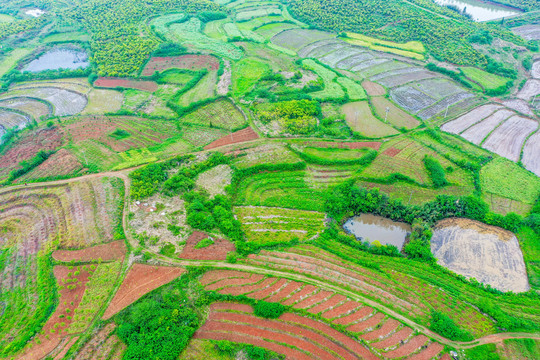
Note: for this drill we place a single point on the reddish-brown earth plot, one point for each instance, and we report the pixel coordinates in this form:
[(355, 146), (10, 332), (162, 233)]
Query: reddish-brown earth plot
[(140, 280), (105, 252), (60, 163), (143, 85), (246, 134), (190, 62), (217, 251)]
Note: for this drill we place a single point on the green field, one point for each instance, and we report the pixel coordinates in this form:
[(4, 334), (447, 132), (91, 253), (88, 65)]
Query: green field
[(246, 73), (10, 60), (222, 114), (412, 49), (486, 80), (360, 118), (332, 90)]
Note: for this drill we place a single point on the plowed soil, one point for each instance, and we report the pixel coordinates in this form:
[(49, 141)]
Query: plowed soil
[(217, 251), (246, 134), (143, 85), (140, 280), (190, 62), (106, 252)]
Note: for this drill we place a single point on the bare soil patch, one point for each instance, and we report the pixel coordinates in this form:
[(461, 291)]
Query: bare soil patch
[(217, 251), (190, 62), (143, 85), (215, 180), (105, 252), (140, 280), (373, 89), (246, 134)]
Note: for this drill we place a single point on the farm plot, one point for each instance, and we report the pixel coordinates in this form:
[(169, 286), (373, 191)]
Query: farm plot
[(144, 85), (264, 225), (12, 59), (478, 132), (529, 32), (140, 280), (396, 116), (12, 120), (264, 154), (189, 33), (295, 39), (487, 80), (246, 73), (366, 65), (61, 163), (270, 30), (444, 104), (233, 32), (411, 99), (392, 68), (323, 48), (261, 11), (373, 89), (103, 345), (247, 134), (464, 122), (234, 322), (438, 88), (215, 180), (332, 90), (520, 106), (65, 102), (530, 158), (359, 117), (217, 250), (507, 140), (337, 56), (36, 109), (394, 292), (104, 252), (402, 68), (535, 70), (405, 78), (283, 189), (205, 88), (323, 177), (354, 90), (101, 101), (529, 90), (74, 215), (27, 146), (354, 60), (188, 62), (200, 136), (222, 114)]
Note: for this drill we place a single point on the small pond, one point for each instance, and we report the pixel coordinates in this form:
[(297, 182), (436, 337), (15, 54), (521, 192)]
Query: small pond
[(59, 58), (370, 228), (34, 12), (481, 10)]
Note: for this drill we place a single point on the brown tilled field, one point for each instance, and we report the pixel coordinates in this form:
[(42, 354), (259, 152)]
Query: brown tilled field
[(143, 85), (105, 252), (217, 251), (246, 134), (140, 280), (190, 62)]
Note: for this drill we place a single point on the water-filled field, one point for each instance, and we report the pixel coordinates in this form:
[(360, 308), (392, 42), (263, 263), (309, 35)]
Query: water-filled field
[(373, 228), (59, 58)]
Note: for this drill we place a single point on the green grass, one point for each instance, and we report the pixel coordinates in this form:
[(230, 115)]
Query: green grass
[(286, 189), (332, 90), (530, 245), (483, 352), (522, 348), (521, 185), (263, 225), (66, 37), (4, 18), (335, 153), (97, 291), (176, 76), (222, 114), (487, 80), (204, 243), (265, 154), (412, 49), (354, 90), (134, 99), (396, 116), (8, 62), (204, 89), (246, 73)]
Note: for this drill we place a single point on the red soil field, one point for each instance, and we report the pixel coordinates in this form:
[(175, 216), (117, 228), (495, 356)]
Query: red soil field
[(269, 290), (231, 306), (330, 303), (313, 299), (341, 310), (96, 342), (190, 62), (140, 280), (394, 339), (241, 290), (243, 135), (355, 316), (366, 324), (67, 297), (313, 337), (284, 292), (217, 251), (383, 331), (303, 293), (212, 276), (429, 352), (407, 348), (106, 252), (373, 89), (231, 282), (28, 146), (143, 85), (391, 151), (66, 348)]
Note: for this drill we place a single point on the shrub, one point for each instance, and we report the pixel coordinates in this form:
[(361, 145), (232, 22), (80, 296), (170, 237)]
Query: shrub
[(269, 310), (419, 245), (443, 325), (204, 243), (435, 171)]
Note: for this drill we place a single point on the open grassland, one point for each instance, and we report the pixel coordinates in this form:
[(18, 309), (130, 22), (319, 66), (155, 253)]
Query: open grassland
[(222, 114), (67, 37), (264, 225), (486, 80), (332, 90), (360, 119), (246, 73), (38, 221), (286, 189), (9, 61)]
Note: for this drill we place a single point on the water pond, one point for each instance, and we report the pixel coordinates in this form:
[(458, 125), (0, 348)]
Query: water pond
[(371, 228), (481, 10), (59, 58), (487, 253)]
